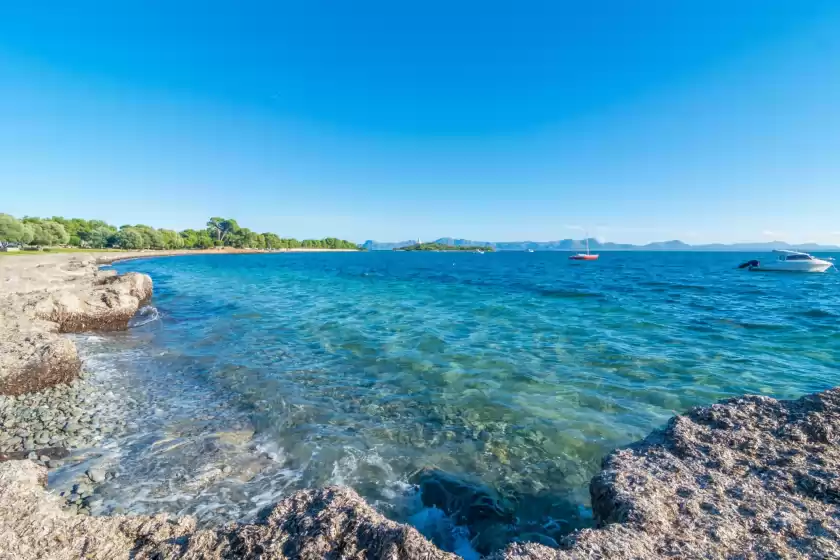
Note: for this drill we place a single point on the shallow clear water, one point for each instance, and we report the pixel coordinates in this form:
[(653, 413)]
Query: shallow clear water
[(518, 371)]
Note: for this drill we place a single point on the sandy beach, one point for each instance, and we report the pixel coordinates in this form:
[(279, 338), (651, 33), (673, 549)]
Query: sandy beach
[(750, 477)]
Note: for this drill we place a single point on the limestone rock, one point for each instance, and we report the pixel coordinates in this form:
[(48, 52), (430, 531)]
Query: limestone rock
[(108, 303), (751, 477), (34, 360), (42, 295), (331, 522)]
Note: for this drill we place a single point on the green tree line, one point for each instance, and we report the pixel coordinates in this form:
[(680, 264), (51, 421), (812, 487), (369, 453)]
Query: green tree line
[(96, 234)]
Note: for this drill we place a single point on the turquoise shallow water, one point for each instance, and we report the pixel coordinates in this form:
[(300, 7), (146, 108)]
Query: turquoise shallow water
[(516, 371)]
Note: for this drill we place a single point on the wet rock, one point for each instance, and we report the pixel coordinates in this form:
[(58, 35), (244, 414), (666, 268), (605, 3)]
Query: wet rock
[(467, 503), (463, 500), (331, 522), (539, 538)]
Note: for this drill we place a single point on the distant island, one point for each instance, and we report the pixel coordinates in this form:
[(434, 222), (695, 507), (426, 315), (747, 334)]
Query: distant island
[(443, 247), (576, 245)]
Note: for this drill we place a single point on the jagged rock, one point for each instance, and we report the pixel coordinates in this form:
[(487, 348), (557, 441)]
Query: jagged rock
[(750, 477), (108, 303), (57, 293), (331, 522)]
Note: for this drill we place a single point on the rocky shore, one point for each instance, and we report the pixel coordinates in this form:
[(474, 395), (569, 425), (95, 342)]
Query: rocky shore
[(751, 477)]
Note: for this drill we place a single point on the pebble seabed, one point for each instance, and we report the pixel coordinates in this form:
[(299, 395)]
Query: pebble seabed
[(47, 426)]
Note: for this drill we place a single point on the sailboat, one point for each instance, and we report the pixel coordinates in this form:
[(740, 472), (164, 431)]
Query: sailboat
[(585, 256)]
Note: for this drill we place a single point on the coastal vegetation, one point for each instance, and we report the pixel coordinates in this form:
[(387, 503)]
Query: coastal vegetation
[(442, 247), (97, 234)]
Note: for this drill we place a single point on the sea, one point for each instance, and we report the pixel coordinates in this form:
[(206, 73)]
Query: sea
[(508, 375)]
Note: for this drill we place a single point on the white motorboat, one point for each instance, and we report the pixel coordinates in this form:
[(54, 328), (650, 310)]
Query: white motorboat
[(789, 261)]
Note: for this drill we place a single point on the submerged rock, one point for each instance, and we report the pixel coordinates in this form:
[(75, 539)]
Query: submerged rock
[(470, 504), (465, 501), (96, 475)]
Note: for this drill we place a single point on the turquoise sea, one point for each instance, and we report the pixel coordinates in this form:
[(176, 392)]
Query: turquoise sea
[(512, 373)]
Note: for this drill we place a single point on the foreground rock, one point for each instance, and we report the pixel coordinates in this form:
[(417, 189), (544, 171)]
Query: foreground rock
[(32, 359), (751, 477), (748, 478), (108, 302), (327, 523), (44, 296)]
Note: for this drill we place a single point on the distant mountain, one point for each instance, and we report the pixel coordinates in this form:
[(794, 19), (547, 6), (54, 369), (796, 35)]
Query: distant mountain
[(371, 245), (595, 245)]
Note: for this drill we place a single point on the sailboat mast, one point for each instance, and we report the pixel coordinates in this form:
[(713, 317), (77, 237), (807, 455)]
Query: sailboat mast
[(587, 242)]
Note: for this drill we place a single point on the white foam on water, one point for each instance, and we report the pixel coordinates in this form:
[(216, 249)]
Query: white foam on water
[(144, 316), (434, 524)]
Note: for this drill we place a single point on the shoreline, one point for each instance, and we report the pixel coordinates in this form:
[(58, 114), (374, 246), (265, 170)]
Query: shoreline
[(750, 476)]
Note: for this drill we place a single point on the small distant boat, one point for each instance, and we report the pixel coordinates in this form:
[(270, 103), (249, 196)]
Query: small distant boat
[(479, 251), (585, 256), (789, 261), (530, 250)]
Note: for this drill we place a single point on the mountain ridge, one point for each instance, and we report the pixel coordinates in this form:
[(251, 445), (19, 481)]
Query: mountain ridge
[(595, 245)]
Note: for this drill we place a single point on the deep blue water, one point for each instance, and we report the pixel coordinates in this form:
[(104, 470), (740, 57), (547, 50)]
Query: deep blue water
[(518, 371)]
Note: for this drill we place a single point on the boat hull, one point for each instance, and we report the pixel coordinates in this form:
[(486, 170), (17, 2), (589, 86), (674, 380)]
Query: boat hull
[(584, 257), (804, 266)]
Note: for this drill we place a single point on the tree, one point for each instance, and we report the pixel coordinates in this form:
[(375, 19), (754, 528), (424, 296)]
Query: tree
[(221, 228), (55, 232), (272, 241), (204, 241), (99, 237), (129, 238), (11, 230), (171, 239), (28, 235), (37, 234), (190, 238)]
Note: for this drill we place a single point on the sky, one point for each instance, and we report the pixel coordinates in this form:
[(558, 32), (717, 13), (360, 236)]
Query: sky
[(706, 121)]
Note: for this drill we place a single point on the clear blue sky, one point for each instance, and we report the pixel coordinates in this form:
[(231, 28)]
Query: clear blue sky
[(657, 119)]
